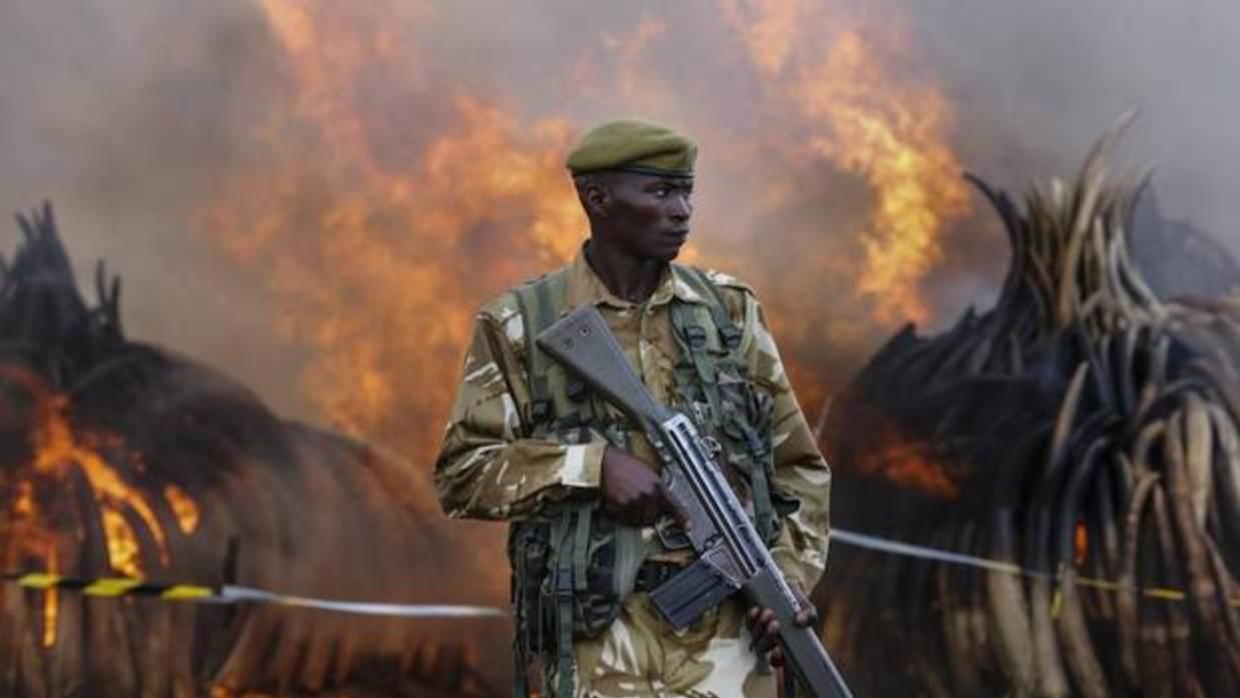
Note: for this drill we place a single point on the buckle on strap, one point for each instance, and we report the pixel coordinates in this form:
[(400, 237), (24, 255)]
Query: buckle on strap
[(564, 584), (696, 336)]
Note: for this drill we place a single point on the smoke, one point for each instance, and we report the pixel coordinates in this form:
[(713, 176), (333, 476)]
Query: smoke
[(313, 196), (1034, 84), (127, 115)]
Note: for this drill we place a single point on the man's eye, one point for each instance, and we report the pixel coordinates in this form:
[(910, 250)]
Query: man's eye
[(662, 192)]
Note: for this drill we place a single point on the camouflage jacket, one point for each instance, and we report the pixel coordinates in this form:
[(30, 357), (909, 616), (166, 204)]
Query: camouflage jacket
[(486, 469)]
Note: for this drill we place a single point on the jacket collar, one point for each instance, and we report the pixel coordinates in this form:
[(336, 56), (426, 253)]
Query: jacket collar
[(583, 286)]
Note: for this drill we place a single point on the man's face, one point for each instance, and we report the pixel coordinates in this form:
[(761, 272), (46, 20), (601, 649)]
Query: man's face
[(647, 215)]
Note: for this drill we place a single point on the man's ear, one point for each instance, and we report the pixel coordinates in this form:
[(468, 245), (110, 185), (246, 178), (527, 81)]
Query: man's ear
[(595, 195), (600, 199)]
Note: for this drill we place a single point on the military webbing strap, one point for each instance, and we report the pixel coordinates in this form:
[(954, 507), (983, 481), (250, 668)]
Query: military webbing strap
[(537, 302), (730, 338), (520, 640), (581, 547), (564, 593), (729, 333)]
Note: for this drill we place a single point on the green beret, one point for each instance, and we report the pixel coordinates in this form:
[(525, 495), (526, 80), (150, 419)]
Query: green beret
[(631, 145)]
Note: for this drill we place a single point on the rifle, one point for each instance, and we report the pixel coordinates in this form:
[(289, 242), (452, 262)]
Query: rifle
[(731, 556)]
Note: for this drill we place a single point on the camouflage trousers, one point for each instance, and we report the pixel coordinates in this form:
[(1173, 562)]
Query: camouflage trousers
[(640, 656)]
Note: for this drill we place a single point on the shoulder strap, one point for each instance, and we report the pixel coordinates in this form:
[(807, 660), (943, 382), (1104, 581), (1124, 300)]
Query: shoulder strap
[(539, 302), (729, 333), (730, 336)]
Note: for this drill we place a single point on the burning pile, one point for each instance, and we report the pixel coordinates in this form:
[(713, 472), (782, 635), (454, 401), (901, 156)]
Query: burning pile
[(122, 459), (1084, 431)]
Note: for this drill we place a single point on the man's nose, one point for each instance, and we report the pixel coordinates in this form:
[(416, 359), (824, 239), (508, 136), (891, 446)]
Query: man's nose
[(682, 208)]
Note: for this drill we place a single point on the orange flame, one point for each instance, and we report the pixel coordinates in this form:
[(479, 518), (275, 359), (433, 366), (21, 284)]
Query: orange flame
[(51, 605), (23, 501), (367, 285), (1080, 543), (42, 518), (867, 121), (894, 136), (183, 507), (123, 549), (909, 464), (769, 29), (56, 446)]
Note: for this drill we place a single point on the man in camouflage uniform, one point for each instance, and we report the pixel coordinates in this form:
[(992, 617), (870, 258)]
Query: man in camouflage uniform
[(635, 180)]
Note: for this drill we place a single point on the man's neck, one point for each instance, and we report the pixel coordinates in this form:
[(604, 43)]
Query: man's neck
[(626, 276)]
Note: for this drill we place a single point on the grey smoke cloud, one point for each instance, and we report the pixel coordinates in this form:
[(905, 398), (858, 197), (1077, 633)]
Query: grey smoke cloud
[(1036, 82), (126, 115)]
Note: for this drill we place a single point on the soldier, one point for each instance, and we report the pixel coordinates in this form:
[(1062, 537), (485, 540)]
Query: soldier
[(590, 529)]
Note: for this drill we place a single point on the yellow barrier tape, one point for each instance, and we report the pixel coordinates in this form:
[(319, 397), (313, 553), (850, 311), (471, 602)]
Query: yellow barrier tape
[(119, 586), (110, 586), (885, 545), (187, 592), (231, 594), (38, 580)]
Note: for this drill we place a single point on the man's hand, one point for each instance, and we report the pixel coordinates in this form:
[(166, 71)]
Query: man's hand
[(765, 629), (632, 492)]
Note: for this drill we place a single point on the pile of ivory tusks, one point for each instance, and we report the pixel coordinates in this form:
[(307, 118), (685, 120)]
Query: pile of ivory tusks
[(1118, 496)]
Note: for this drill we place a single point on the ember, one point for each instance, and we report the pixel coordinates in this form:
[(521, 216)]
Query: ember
[(912, 466), (183, 507)]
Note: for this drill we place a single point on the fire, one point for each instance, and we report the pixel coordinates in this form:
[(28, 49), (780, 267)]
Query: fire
[(51, 607), (123, 549), (374, 240), (56, 447), (31, 541), (23, 502), (42, 511), (1080, 543), (183, 508), (769, 29), (894, 135), (910, 464), (866, 120)]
